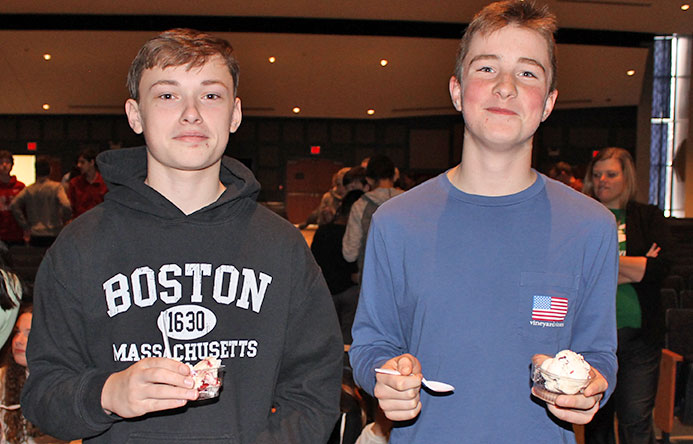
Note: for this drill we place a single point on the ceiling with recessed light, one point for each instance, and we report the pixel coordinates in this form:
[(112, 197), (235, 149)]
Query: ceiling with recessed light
[(328, 53)]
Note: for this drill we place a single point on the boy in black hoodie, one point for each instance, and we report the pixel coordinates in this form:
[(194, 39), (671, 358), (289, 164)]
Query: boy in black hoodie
[(180, 263)]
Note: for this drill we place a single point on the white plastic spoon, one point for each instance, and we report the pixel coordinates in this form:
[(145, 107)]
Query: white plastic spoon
[(162, 324), (436, 386)]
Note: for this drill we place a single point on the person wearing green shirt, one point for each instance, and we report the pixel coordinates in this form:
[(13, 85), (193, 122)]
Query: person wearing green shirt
[(644, 247)]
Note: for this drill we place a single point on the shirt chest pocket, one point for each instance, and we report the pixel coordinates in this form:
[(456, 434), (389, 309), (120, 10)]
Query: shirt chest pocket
[(546, 307)]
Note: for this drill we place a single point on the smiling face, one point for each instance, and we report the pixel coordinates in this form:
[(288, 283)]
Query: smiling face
[(609, 182), (21, 335), (504, 91), (186, 115)]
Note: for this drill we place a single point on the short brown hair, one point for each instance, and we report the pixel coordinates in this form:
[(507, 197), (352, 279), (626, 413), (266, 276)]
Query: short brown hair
[(4, 154), (177, 47), (511, 12), (627, 165)]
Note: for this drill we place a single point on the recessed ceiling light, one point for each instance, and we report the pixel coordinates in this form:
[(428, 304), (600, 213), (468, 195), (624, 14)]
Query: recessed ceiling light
[(46, 57), (370, 112), (296, 110), (630, 72), (272, 59), (46, 106), (685, 7), (383, 62)]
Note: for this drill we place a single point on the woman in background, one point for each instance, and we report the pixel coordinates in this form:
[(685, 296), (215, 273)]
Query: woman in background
[(645, 249), (15, 428), (10, 298)]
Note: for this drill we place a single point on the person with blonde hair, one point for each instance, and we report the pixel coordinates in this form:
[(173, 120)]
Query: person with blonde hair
[(645, 259)]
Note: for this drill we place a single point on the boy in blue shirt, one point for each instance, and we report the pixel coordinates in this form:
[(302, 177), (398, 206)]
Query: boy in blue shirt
[(457, 268)]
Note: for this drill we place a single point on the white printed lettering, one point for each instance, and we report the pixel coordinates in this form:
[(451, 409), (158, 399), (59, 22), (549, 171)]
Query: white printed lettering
[(197, 271), (232, 288), (251, 289), (113, 294), (175, 286)]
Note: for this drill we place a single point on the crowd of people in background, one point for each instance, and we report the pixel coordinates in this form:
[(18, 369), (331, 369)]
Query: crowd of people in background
[(36, 214)]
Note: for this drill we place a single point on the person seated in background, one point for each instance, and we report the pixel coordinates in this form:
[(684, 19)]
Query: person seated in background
[(10, 231), (86, 190), (645, 247), (42, 208), (15, 427), (339, 274), (380, 174)]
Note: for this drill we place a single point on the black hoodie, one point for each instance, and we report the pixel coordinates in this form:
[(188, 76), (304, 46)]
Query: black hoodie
[(232, 280)]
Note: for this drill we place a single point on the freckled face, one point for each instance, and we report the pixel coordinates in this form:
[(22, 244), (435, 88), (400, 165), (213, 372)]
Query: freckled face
[(186, 115), (20, 338), (609, 182), (504, 94)]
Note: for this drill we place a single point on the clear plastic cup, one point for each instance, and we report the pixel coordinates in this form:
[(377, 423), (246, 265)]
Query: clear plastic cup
[(547, 386), (210, 381)]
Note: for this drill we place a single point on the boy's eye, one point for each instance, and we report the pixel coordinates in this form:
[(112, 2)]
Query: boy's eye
[(485, 69), (212, 96), (528, 74), (166, 96)]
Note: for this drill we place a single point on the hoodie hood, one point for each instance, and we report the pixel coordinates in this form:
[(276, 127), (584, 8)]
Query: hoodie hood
[(124, 171)]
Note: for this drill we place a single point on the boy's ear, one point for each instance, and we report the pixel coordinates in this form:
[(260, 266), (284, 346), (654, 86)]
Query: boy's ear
[(456, 93), (237, 115), (132, 109), (548, 106)]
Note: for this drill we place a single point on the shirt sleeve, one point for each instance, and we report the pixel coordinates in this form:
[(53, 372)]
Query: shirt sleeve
[(378, 334), (17, 208), (62, 395), (351, 242), (64, 202), (308, 388), (594, 328), (657, 268)]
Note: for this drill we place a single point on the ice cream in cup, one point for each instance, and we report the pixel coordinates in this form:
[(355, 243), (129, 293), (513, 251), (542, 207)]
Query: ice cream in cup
[(208, 377), (567, 373)]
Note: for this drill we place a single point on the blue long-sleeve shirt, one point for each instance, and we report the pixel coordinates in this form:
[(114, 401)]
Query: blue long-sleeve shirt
[(460, 280)]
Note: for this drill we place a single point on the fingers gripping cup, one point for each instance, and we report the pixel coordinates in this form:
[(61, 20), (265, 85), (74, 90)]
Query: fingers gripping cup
[(208, 376), (567, 373)]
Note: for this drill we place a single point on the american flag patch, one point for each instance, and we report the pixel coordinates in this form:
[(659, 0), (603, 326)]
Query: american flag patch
[(549, 308)]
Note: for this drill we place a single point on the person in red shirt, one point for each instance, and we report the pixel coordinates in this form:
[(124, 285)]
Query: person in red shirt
[(88, 189), (10, 232)]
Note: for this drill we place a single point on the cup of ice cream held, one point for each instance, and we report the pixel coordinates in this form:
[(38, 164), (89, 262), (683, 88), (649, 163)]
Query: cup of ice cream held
[(565, 374), (208, 377)]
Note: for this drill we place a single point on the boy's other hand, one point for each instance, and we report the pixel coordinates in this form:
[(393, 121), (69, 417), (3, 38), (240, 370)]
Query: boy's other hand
[(150, 385)]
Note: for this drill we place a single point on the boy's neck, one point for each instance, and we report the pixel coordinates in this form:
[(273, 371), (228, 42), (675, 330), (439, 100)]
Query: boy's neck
[(187, 190), (488, 172)]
